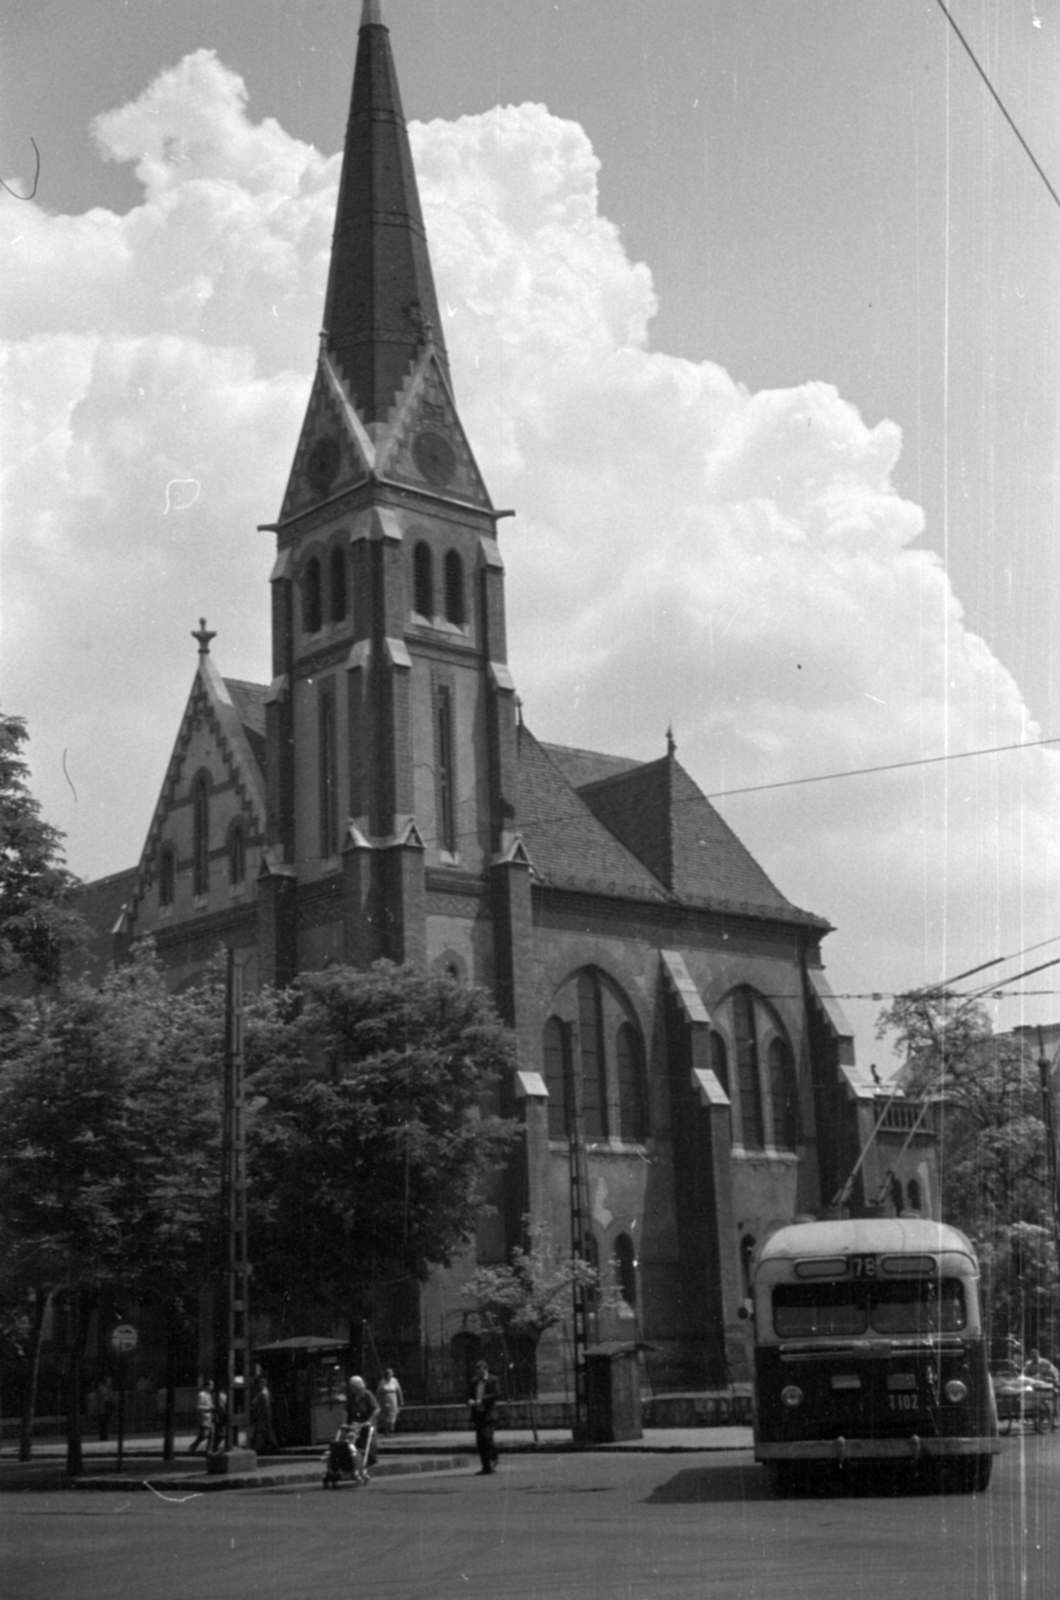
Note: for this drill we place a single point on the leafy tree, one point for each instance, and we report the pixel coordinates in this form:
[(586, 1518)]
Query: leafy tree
[(108, 1148), (528, 1296), (369, 1145), (37, 923), (993, 1158)]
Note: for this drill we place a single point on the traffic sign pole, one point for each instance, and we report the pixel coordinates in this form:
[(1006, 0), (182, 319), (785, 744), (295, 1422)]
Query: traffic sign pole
[(123, 1341)]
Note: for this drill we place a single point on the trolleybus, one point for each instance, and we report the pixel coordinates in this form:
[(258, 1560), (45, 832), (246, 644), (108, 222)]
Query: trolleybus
[(870, 1347)]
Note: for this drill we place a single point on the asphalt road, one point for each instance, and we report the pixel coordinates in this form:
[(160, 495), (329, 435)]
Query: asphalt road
[(599, 1526)]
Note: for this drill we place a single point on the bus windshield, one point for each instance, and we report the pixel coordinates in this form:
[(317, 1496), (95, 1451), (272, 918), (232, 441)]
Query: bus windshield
[(843, 1309)]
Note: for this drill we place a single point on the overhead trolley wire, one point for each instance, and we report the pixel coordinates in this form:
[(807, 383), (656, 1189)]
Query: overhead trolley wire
[(999, 102), (889, 766)]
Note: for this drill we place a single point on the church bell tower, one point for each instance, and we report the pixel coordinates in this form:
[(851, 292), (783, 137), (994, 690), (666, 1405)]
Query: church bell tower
[(391, 739)]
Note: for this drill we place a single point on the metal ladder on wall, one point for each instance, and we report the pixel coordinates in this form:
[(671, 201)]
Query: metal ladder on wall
[(580, 1224)]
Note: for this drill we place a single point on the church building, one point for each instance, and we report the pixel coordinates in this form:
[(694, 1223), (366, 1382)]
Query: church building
[(382, 797)]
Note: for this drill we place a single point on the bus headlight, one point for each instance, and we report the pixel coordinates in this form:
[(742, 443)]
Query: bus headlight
[(956, 1391), (791, 1395)]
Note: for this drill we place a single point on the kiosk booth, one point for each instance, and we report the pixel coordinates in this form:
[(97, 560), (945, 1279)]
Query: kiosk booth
[(308, 1382)]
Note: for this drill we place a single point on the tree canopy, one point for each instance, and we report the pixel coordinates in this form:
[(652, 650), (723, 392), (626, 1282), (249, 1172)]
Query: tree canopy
[(37, 923), (993, 1157), (109, 1123), (370, 1136), (532, 1292), (109, 1119)]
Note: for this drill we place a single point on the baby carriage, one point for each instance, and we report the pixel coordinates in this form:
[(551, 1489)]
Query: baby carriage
[(349, 1454)]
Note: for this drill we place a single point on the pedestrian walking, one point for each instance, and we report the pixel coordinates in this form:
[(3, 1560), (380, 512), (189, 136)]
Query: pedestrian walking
[(390, 1400), (220, 1419), (204, 1408), (105, 1402), (262, 1435), (362, 1413), (482, 1399)]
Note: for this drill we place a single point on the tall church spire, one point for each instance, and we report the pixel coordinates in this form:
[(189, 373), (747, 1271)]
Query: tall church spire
[(381, 308)]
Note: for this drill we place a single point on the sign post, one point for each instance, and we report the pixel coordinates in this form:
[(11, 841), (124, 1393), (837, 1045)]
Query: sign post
[(123, 1341)]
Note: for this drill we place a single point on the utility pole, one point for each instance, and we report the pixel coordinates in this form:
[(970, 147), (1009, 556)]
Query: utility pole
[(234, 1215)]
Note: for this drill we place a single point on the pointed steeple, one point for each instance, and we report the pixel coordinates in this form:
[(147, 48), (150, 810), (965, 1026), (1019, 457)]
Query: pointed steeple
[(381, 309)]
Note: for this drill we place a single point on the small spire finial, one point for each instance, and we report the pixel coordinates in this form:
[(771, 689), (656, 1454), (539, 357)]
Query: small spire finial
[(204, 636), (671, 742)]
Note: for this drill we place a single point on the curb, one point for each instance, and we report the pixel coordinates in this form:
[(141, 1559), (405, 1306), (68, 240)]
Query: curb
[(175, 1483), (269, 1479)]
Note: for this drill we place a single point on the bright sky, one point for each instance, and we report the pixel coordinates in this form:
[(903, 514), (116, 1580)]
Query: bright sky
[(754, 318)]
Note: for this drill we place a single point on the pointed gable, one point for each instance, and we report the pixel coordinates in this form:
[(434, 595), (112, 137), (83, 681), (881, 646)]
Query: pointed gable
[(425, 445), (223, 727), (334, 452)]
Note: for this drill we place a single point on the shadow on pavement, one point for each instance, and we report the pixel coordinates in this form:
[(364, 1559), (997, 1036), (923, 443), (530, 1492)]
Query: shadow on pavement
[(701, 1485), (704, 1485)]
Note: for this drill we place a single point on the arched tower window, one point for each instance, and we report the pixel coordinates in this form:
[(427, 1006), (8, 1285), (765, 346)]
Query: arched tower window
[(719, 1060), (167, 876), (328, 777), (592, 1018), (454, 589), (629, 1063), (626, 1269), (784, 1095), (237, 854), (555, 1063), (423, 580), (312, 615), (445, 767), (200, 827), (594, 1082), (337, 575), (749, 1083)]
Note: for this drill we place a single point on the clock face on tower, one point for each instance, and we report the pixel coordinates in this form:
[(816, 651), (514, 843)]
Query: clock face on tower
[(323, 463), (434, 456)]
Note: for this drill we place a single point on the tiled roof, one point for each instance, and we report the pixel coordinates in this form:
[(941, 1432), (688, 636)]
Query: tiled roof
[(587, 766), (660, 817), (569, 847), (101, 903), (249, 702)]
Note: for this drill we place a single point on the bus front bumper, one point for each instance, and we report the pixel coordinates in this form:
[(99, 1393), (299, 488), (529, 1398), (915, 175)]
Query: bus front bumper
[(913, 1448)]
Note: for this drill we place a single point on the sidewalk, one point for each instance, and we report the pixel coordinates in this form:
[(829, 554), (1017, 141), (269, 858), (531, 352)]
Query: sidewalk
[(143, 1467)]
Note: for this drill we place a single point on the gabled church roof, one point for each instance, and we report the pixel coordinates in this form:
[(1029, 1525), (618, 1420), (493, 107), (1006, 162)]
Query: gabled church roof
[(381, 307), (235, 709), (659, 816), (568, 846)]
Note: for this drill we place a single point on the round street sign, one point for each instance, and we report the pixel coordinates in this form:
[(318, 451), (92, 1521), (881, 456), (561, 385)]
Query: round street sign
[(124, 1338)]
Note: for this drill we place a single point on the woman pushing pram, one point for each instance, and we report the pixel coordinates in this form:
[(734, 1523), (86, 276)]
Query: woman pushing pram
[(351, 1451)]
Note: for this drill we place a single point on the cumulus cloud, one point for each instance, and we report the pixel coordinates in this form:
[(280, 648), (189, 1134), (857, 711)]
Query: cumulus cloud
[(736, 564)]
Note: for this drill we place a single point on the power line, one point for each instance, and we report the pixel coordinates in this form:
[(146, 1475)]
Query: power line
[(890, 766), (999, 102), (524, 822)]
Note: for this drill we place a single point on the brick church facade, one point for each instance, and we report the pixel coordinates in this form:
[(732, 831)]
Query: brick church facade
[(381, 797)]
